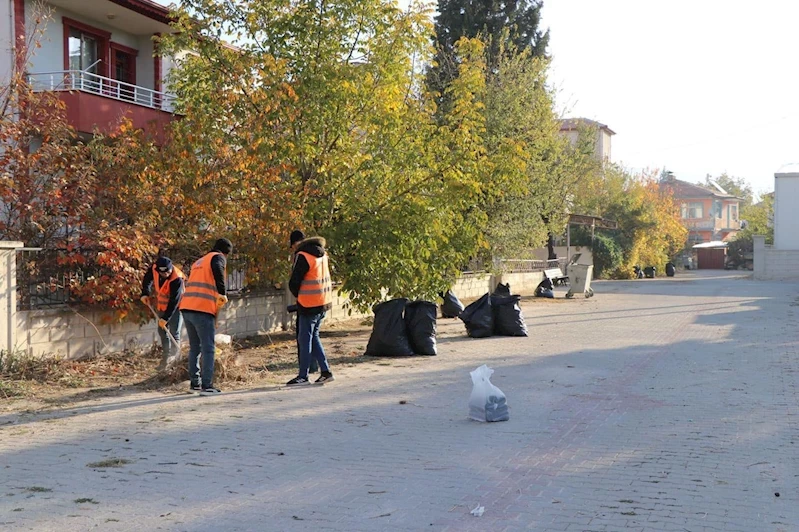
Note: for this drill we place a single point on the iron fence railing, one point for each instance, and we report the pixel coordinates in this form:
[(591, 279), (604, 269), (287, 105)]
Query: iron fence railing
[(528, 265), (43, 281), (78, 80)]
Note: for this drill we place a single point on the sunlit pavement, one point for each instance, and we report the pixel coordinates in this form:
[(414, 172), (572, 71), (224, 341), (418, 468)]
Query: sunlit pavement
[(665, 404)]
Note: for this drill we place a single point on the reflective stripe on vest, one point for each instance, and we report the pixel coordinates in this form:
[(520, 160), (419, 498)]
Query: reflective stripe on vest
[(316, 290), (163, 290), (201, 294)]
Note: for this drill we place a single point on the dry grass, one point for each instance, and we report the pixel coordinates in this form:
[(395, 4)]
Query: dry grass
[(263, 360)]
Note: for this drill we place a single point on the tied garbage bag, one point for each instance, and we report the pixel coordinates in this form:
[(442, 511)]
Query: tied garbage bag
[(478, 318), (388, 336), (670, 269), (420, 323), (502, 290), (508, 318), (544, 289), (452, 306), (487, 402)]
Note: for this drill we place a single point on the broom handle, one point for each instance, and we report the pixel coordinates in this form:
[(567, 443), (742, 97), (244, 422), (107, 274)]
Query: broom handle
[(166, 329)]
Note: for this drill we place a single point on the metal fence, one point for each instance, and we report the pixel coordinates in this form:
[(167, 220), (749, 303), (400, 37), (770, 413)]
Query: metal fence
[(44, 282), (528, 265), (78, 80)]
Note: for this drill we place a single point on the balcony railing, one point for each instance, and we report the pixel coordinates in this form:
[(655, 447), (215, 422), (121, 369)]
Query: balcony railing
[(714, 224), (78, 80)]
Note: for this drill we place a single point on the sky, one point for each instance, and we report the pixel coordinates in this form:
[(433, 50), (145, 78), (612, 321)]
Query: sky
[(696, 87)]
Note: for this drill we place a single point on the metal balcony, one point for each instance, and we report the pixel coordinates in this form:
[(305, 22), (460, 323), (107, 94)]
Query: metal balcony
[(78, 80)]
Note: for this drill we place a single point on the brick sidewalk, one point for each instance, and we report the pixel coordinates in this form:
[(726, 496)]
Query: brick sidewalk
[(658, 405)]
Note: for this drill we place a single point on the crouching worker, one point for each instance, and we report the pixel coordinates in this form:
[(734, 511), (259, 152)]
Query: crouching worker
[(205, 295), (163, 285), (310, 284)]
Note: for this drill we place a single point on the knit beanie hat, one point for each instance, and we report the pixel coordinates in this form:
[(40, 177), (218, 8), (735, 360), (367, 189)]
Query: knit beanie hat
[(296, 236), (223, 245)]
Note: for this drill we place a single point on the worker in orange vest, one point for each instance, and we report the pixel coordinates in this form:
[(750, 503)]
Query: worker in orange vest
[(310, 283), (205, 295), (162, 288)]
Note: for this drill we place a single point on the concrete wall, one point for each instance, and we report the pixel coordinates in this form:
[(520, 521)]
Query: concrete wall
[(786, 214), (75, 334), (771, 263), (8, 295)]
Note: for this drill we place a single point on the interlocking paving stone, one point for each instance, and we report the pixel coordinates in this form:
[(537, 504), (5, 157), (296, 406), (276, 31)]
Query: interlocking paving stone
[(657, 405)]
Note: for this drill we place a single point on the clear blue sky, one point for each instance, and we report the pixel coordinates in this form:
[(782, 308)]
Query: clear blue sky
[(697, 87)]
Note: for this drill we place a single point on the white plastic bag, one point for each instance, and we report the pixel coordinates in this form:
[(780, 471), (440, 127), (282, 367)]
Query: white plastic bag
[(222, 339), (487, 402)]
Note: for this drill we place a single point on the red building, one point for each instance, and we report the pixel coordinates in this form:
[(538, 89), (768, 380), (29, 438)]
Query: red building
[(99, 56), (709, 214)]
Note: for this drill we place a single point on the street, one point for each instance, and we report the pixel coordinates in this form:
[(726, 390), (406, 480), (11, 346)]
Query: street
[(664, 404)]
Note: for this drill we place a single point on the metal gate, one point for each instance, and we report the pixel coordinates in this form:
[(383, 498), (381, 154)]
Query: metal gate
[(710, 258)]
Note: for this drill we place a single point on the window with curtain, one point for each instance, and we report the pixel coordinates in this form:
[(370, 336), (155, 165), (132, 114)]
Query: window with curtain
[(692, 210)]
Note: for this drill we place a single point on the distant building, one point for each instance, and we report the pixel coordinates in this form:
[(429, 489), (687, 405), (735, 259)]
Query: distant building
[(709, 214), (786, 214), (781, 260), (571, 128)]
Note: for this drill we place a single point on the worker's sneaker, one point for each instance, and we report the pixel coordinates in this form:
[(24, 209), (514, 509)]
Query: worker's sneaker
[(298, 381), (195, 388), (210, 391), (326, 377)]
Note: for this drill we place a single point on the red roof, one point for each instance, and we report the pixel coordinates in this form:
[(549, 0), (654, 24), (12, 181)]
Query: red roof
[(685, 190), (148, 8)]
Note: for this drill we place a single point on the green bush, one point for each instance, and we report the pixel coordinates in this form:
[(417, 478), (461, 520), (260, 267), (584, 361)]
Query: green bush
[(608, 256)]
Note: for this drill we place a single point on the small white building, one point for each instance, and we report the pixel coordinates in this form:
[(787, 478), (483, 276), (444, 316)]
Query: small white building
[(781, 261), (571, 128)]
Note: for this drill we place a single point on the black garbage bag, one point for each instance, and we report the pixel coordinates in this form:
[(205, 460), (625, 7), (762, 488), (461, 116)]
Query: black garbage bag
[(501, 290), (478, 318), (420, 324), (649, 272), (508, 319), (544, 289), (389, 338), (452, 306), (670, 269)]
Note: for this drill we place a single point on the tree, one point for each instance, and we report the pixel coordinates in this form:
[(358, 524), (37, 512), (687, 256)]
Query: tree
[(532, 169), (649, 230), (318, 119), (511, 26), (737, 186)]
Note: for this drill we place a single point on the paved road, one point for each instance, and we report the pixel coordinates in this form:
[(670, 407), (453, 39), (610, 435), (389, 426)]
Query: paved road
[(658, 405)]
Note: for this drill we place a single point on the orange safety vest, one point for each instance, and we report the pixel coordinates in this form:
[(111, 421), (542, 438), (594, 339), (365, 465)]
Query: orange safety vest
[(201, 294), (162, 290), (316, 290)]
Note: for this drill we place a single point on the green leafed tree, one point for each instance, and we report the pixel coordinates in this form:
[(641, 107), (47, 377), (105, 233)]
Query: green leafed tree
[(505, 25), (737, 186), (326, 98), (533, 171)]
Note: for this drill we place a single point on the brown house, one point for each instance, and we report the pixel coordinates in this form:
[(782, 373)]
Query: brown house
[(709, 214)]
